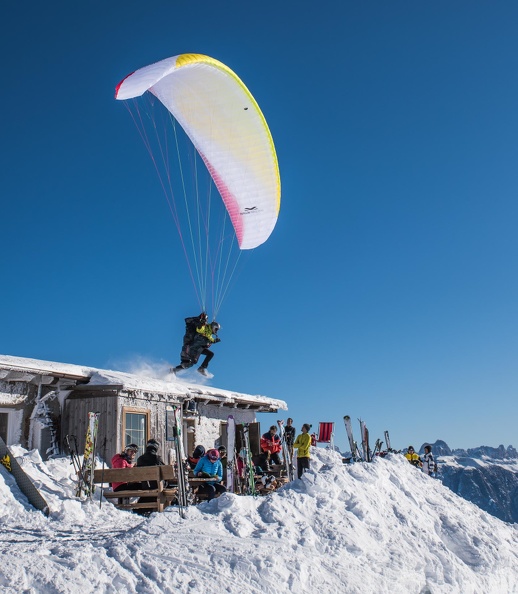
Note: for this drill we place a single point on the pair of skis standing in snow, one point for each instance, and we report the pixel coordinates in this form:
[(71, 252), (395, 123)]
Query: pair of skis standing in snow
[(428, 465), (84, 468), (365, 453), (199, 336)]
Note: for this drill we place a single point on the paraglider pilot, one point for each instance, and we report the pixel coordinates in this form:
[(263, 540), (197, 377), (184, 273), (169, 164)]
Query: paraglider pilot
[(191, 325), (199, 336)]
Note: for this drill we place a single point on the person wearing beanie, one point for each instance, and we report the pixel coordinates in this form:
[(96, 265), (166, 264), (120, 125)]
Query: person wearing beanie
[(199, 452), (151, 457)]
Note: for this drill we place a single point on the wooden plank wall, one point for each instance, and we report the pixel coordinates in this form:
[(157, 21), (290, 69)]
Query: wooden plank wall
[(255, 437), (76, 420)]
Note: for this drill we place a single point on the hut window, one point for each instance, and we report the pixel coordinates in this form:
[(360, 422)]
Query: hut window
[(136, 428)]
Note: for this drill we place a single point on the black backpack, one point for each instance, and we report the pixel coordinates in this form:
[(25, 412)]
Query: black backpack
[(190, 329)]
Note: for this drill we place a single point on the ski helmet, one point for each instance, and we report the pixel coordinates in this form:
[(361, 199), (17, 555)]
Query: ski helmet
[(213, 455), (215, 327), (132, 447)]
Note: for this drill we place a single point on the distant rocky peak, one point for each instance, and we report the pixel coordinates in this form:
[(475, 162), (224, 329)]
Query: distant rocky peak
[(441, 448)]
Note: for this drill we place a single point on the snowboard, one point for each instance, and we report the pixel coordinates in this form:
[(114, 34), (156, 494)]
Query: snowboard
[(24, 483)]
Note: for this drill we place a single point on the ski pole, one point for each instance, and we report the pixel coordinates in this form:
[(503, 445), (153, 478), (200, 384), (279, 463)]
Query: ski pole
[(102, 473), (76, 461)]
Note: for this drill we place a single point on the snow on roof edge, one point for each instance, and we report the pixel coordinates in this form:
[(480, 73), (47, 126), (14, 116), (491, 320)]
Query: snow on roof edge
[(131, 381)]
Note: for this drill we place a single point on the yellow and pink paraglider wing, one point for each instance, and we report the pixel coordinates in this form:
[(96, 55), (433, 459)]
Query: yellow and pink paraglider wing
[(229, 131)]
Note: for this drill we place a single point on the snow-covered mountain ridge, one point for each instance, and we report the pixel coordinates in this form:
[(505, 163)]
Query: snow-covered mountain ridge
[(441, 448), (485, 476), (363, 528)]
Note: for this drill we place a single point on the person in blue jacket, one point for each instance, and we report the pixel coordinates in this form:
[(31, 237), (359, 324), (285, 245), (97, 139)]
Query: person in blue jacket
[(210, 467)]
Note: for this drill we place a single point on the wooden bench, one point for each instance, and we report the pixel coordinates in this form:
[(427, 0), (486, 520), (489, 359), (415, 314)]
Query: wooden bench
[(162, 496)]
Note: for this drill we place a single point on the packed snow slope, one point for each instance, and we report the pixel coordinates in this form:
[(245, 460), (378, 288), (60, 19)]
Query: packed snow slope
[(365, 528)]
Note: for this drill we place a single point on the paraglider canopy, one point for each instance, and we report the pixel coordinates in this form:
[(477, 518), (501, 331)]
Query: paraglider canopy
[(229, 131)]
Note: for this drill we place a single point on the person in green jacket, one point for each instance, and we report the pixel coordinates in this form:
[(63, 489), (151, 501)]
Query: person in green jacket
[(301, 444)]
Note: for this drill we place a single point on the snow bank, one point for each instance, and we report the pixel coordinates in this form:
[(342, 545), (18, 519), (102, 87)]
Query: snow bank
[(367, 528)]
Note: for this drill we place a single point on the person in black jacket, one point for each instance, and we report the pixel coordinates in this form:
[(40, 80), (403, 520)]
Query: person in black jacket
[(199, 452), (204, 336), (289, 436), (150, 458)]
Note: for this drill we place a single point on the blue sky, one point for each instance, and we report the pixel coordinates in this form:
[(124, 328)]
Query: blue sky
[(388, 289)]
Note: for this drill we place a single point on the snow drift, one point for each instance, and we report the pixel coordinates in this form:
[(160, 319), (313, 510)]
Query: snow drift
[(382, 528)]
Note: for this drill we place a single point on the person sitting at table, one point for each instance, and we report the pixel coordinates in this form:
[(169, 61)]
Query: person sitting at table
[(210, 467), (199, 452), (125, 459), (151, 457)]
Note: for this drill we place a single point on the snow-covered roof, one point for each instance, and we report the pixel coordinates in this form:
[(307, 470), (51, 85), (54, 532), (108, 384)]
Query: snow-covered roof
[(20, 368)]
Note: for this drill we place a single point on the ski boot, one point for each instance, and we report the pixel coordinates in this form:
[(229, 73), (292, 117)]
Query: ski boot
[(183, 365)]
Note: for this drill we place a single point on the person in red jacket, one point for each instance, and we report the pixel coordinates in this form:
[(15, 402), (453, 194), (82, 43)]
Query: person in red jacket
[(126, 459), (270, 447)]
